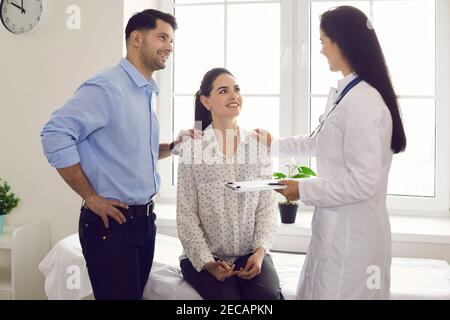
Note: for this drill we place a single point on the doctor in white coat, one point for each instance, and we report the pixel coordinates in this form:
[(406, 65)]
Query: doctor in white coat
[(349, 256)]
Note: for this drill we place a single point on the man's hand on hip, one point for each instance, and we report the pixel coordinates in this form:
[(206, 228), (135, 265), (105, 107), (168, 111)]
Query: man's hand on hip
[(105, 208), (77, 180)]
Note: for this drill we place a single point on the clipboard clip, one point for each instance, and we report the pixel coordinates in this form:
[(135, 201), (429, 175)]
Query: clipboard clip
[(232, 183)]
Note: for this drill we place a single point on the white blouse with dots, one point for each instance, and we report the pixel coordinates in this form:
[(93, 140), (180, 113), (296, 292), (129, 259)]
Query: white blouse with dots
[(214, 221)]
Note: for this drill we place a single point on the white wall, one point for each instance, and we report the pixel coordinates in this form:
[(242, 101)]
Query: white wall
[(38, 73)]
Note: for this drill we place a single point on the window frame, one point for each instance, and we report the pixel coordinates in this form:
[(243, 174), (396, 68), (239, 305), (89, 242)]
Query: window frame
[(295, 66)]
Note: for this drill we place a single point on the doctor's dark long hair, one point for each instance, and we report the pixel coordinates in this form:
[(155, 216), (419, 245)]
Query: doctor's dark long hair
[(202, 114), (353, 33)]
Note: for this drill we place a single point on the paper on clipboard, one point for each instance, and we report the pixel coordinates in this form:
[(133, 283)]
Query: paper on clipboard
[(257, 185)]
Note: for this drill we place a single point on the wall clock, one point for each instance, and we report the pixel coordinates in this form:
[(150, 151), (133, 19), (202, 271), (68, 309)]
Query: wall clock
[(22, 16)]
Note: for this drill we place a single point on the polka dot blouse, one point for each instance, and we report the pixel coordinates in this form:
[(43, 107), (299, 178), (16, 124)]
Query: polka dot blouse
[(212, 220)]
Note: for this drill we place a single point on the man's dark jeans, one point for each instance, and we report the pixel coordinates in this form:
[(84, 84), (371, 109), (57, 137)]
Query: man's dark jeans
[(119, 258)]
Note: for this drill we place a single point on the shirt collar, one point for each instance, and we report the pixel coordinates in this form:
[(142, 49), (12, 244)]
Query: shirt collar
[(345, 81), (154, 86), (137, 77)]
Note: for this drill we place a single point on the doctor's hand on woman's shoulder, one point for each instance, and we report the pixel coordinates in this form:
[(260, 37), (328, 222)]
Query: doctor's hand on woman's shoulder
[(291, 192), (262, 136)]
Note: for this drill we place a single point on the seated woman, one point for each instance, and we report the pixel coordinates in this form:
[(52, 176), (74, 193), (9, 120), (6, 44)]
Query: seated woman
[(225, 235)]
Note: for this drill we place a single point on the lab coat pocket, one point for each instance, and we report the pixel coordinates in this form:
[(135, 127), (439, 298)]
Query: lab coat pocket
[(324, 225)]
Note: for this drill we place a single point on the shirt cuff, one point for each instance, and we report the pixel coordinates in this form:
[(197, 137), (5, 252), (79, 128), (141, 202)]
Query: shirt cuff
[(202, 260), (303, 188), (64, 158), (262, 243)]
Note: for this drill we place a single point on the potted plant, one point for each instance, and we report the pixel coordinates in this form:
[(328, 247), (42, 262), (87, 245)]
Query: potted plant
[(288, 209), (8, 201)]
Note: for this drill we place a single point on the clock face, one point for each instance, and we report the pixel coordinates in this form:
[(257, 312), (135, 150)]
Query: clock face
[(21, 16)]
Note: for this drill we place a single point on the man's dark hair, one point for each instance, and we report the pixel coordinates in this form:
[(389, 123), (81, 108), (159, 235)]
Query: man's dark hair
[(146, 20)]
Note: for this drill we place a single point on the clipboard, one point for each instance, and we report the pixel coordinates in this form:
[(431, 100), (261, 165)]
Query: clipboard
[(256, 185)]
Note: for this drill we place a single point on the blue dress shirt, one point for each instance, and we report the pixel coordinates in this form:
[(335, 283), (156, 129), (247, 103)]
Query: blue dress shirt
[(110, 128)]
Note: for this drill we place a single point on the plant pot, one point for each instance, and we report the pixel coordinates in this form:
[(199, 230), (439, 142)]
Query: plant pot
[(288, 211), (2, 217)]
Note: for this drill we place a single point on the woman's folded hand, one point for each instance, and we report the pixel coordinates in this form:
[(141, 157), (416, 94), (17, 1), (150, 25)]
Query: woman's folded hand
[(253, 266), (220, 270)]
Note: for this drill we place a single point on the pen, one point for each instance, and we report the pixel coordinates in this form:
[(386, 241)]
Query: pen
[(275, 184)]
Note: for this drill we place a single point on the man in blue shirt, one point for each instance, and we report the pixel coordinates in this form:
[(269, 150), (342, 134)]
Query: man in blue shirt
[(104, 142)]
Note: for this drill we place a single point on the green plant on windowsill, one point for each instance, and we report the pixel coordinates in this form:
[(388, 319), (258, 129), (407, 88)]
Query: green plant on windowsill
[(8, 201), (288, 209)]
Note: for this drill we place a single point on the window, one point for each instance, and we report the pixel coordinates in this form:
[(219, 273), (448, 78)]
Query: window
[(228, 34), (273, 49)]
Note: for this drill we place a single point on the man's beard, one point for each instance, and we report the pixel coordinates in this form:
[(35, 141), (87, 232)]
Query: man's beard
[(148, 61)]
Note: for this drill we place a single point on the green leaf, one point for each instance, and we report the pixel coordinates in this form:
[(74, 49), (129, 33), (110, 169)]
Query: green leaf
[(301, 175), (279, 175), (306, 170)]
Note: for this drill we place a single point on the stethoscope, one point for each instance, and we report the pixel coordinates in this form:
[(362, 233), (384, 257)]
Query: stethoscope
[(347, 88)]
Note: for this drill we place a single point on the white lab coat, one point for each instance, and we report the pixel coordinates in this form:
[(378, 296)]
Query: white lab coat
[(349, 256)]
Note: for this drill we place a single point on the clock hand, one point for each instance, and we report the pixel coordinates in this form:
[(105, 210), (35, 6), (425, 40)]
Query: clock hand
[(23, 10), (15, 5)]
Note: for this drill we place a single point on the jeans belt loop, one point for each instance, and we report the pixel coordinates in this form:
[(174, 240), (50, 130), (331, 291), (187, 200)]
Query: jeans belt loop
[(148, 208)]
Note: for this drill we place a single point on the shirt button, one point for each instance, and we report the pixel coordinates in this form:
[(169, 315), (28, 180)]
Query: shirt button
[(104, 237)]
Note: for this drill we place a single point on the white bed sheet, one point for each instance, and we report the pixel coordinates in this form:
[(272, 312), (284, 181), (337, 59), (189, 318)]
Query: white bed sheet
[(66, 275)]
